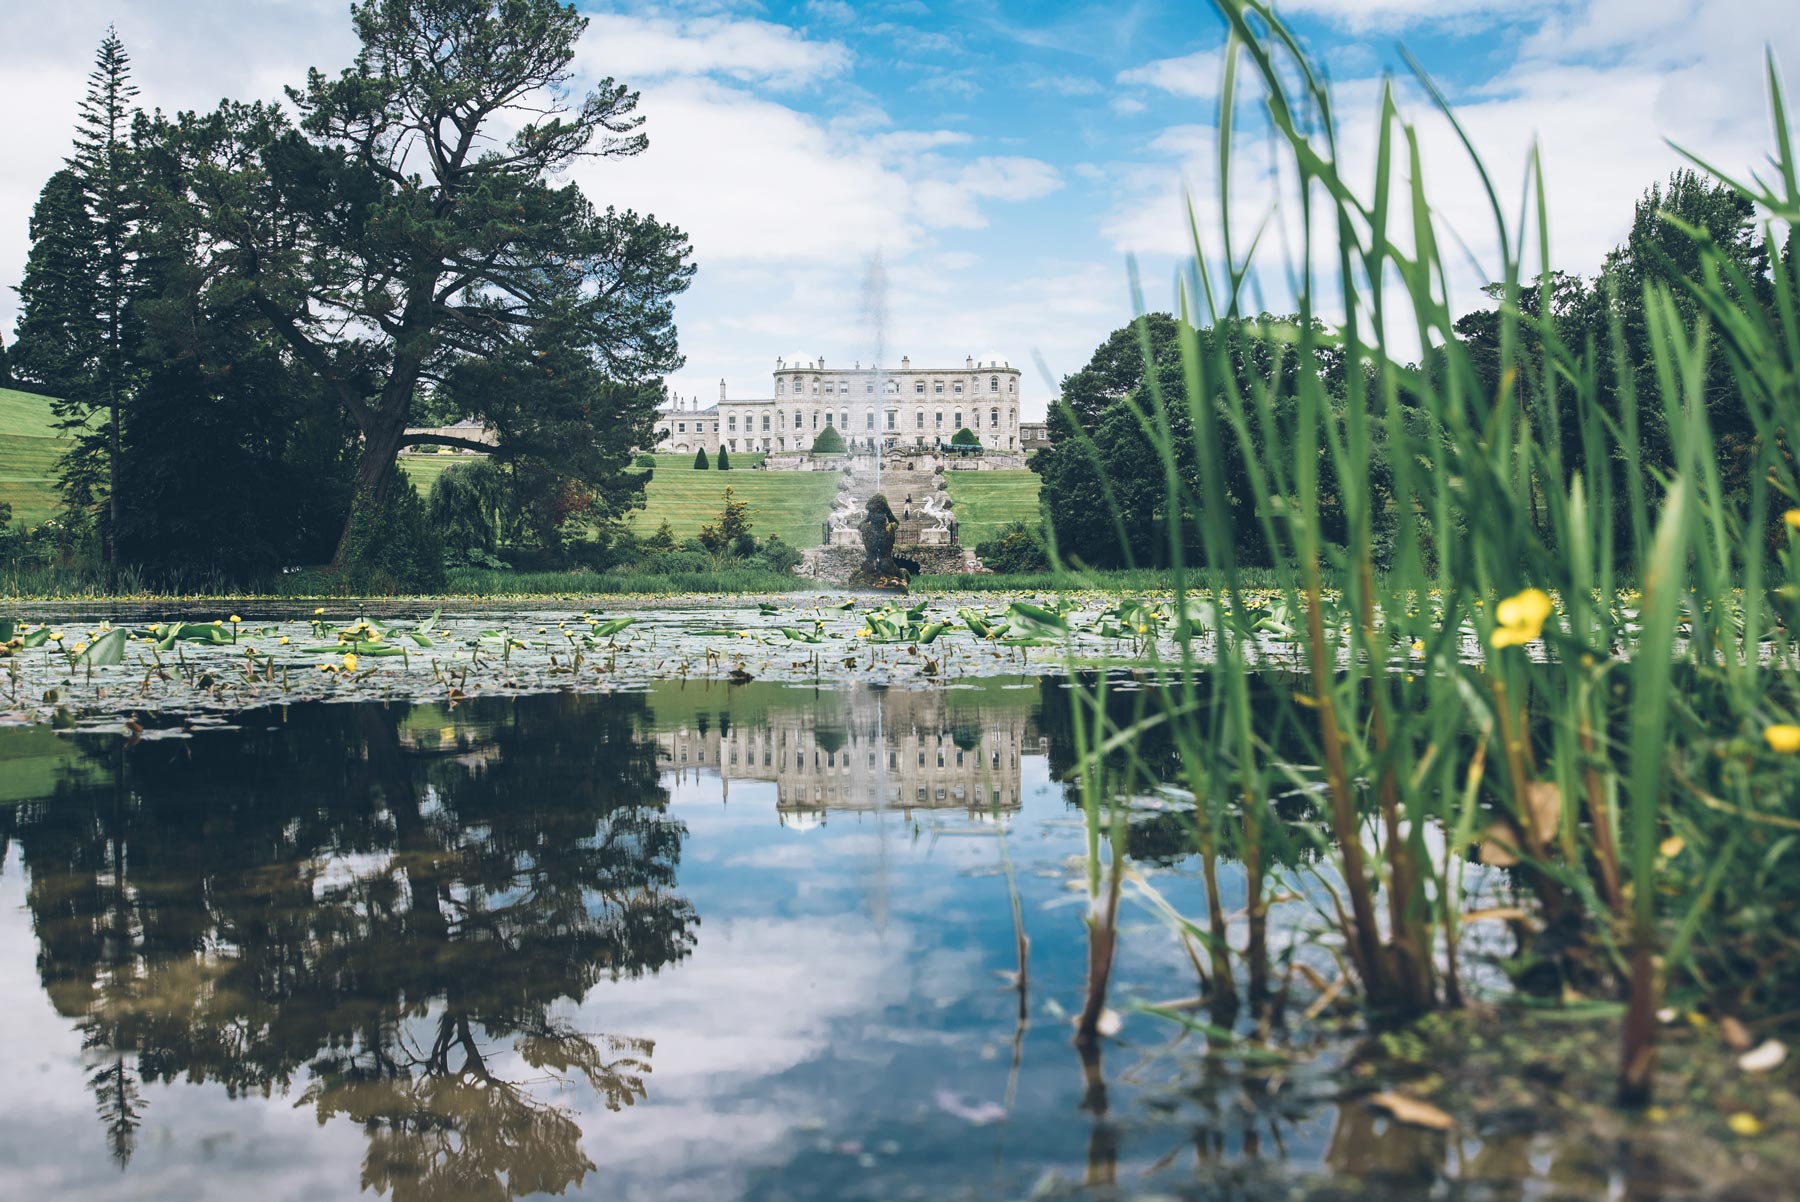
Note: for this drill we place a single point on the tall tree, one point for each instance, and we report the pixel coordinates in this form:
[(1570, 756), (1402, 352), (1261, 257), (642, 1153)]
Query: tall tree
[(55, 341), (410, 236)]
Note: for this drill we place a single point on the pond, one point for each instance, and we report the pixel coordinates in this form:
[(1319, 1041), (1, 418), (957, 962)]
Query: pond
[(695, 940)]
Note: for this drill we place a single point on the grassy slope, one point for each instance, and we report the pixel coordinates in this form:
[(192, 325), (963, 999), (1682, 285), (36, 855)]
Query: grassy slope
[(986, 501), (29, 449), (790, 504)]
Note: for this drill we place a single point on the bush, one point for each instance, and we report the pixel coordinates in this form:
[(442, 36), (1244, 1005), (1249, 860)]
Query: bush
[(965, 437), (724, 460), (1017, 547), (700, 464), (465, 507), (829, 442), (397, 549), (645, 459)]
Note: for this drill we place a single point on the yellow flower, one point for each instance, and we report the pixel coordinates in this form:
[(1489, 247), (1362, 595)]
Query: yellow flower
[(80, 647), (1418, 647), (318, 611), (350, 663), (374, 636), (1521, 617), (283, 640), (1792, 518), (234, 619), (1671, 847), (217, 622), (55, 636), (1783, 737), (1744, 1123)]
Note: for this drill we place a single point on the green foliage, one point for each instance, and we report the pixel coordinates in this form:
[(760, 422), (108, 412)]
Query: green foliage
[(646, 459), (965, 437), (731, 533), (724, 460), (1017, 548), (700, 463), (547, 318), (396, 549), (829, 442), (467, 507)]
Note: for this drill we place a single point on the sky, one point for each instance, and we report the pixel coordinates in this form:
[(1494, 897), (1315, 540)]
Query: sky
[(944, 178)]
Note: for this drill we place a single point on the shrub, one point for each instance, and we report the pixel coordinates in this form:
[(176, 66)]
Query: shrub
[(465, 507), (644, 459), (965, 437), (396, 549), (724, 460), (700, 464), (1016, 547), (829, 442)]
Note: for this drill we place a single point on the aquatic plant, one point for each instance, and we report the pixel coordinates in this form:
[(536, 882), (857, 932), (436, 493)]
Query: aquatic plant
[(1485, 680)]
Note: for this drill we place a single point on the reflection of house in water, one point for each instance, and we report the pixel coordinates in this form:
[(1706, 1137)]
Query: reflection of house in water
[(866, 750)]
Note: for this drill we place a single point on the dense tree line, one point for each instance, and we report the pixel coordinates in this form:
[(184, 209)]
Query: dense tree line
[(242, 312), (1105, 500)]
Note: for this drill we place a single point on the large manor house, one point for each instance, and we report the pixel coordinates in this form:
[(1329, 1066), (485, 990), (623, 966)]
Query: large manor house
[(872, 408)]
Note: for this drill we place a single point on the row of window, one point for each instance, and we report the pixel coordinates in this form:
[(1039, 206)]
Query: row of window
[(842, 420), (893, 387)]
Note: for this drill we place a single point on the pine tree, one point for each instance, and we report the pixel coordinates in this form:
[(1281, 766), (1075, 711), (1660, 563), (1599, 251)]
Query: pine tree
[(103, 160), (76, 332), (57, 333)]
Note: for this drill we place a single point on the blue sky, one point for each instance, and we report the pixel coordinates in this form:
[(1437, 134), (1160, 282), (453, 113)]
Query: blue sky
[(1001, 160)]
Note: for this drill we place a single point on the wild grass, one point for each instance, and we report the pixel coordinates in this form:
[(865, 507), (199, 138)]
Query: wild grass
[(1069, 579), (1482, 679)]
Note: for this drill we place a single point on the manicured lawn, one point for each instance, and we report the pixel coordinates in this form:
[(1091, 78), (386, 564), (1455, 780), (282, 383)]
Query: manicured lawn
[(29, 449), (986, 501), (792, 505)]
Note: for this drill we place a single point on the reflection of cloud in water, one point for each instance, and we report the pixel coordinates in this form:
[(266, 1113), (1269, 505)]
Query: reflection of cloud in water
[(723, 1101)]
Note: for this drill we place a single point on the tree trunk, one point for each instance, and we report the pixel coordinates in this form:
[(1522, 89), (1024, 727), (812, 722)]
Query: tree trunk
[(374, 476)]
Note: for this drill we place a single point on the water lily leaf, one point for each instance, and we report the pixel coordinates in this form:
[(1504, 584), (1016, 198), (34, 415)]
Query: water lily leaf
[(612, 626), (1412, 1111), (420, 638), (1037, 620), (38, 638), (6, 630), (930, 633), (105, 651)]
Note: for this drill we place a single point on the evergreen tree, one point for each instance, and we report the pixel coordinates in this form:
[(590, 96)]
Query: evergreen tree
[(700, 463), (724, 460), (79, 286), (54, 350), (416, 233), (5, 365)]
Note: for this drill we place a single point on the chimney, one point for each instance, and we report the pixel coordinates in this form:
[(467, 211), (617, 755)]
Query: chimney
[(905, 362), (969, 362), (821, 362), (721, 388)]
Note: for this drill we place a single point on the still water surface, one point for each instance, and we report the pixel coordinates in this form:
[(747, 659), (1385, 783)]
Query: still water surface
[(699, 942)]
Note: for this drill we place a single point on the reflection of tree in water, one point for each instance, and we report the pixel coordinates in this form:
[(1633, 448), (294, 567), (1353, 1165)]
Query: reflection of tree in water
[(396, 914)]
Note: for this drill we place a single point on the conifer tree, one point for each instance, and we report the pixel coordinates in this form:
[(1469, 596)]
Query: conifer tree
[(724, 463), (700, 464), (76, 333)]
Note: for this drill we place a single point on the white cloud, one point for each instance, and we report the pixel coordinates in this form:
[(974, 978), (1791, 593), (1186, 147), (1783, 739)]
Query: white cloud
[(1195, 76), (641, 49)]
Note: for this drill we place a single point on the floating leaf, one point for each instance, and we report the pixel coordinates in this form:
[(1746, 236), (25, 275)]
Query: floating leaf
[(105, 651), (1412, 1111)]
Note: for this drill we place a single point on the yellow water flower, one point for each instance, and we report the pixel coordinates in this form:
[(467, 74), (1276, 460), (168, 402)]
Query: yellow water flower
[(350, 662), (1418, 647), (55, 636), (234, 619), (1783, 737), (1521, 617), (1671, 847), (283, 640), (80, 647), (318, 611), (1792, 518), (1744, 1123)]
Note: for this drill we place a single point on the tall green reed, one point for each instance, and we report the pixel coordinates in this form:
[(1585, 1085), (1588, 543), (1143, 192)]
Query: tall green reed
[(1473, 670)]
